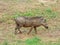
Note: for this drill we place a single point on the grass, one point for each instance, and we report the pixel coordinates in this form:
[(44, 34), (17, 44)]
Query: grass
[(37, 12), (46, 12), (31, 41), (5, 43)]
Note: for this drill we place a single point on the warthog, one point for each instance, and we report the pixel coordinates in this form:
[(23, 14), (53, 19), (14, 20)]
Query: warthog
[(32, 22)]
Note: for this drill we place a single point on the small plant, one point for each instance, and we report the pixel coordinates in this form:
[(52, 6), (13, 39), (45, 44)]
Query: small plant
[(5, 43), (33, 41), (48, 10), (42, 4)]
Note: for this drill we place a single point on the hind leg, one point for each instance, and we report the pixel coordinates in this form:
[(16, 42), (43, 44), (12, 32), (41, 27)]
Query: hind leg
[(35, 30)]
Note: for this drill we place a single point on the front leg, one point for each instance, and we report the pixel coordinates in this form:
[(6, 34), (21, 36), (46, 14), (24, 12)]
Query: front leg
[(30, 30), (35, 30), (19, 30)]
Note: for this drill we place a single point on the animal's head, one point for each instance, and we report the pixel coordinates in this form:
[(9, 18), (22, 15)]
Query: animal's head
[(44, 23)]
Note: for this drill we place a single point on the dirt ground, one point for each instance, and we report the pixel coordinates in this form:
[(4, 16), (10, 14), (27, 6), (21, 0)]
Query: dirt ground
[(51, 34), (7, 28)]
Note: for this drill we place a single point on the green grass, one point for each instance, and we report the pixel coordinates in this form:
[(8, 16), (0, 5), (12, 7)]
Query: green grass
[(5, 42), (34, 12), (31, 41), (47, 12), (38, 12)]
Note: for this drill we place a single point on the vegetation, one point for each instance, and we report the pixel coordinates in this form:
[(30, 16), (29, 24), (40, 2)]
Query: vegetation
[(7, 25), (31, 41)]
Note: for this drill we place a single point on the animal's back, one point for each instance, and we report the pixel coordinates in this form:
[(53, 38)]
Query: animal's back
[(29, 21)]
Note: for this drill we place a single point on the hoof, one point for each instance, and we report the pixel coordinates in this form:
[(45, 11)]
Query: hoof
[(20, 32)]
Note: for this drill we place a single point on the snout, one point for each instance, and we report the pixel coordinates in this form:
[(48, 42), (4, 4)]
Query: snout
[(46, 26)]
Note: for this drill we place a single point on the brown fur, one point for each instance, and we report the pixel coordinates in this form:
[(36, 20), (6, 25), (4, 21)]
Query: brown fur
[(32, 22)]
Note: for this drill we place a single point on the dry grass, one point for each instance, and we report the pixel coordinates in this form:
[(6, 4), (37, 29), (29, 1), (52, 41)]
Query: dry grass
[(10, 9)]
